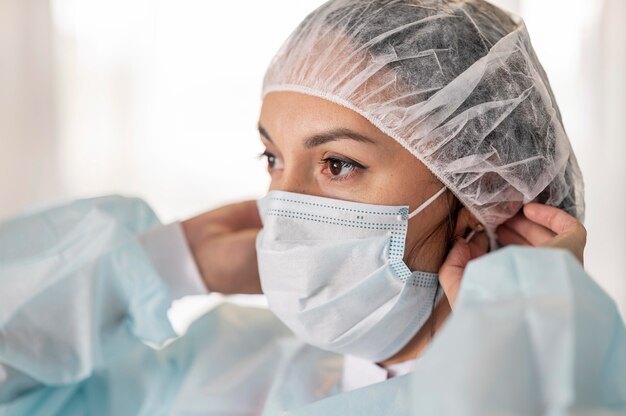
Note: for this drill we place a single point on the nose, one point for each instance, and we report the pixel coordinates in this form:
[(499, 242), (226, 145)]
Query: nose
[(294, 179)]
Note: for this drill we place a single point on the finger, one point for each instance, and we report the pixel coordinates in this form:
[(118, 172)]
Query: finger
[(572, 241), (571, 234), (508, 237), (459, 255), (451, 270), (532, 232), (550, 217), (479, 245), (465, 220), (462, 222)]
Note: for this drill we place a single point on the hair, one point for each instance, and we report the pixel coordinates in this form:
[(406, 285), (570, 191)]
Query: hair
[(450, 238)]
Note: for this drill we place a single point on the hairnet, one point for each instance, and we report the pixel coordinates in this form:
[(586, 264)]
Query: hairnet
[(456, 82)]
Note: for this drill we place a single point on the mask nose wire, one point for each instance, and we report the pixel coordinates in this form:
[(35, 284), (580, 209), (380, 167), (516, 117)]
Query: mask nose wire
[(427, 203)]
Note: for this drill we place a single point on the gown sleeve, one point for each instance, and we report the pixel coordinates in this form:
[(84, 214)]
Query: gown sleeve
[(531, 333), (77, 289)]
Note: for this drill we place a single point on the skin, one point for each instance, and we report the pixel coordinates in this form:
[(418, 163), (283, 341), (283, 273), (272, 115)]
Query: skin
[(373, 169)]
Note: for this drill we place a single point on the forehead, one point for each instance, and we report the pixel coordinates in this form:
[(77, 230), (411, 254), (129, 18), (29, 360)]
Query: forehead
[(290, 116), (287, 112)]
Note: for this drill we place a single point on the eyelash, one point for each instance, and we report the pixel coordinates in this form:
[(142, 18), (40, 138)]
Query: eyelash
[(267, 155), (351, 165)]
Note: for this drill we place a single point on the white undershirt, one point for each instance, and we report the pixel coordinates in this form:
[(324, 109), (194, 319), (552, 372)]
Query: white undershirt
[(358, 372), (167, 248)]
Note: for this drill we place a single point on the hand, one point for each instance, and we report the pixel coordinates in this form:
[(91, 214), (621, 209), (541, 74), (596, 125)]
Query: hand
[(541, 225), (537, 225), (461, 253), (222, 242)]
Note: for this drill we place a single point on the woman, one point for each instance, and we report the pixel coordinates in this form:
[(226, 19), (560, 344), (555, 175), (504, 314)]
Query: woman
[(402, 138)]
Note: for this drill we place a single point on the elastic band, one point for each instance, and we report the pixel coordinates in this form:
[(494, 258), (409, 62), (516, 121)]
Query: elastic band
[(470, 236), (427, 203)]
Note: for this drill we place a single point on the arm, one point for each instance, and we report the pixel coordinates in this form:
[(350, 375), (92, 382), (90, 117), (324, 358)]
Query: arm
[(76, 289), (222, 242)]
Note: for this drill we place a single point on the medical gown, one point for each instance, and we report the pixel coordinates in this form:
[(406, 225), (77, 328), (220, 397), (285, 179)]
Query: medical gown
[(84, 331)]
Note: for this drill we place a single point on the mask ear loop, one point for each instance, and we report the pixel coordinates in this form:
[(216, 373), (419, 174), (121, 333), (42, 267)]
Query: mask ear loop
[(427, 203), (471, 235), (430, 200)]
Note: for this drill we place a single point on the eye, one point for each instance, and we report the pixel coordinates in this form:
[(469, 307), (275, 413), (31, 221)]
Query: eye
[(273, 162), (340, 169)]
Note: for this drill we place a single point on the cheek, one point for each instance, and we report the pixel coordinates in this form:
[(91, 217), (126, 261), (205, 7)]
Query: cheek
[(297, 175), (404, 180), (278, 182), (414, 235), (425, 247), (396, 186)]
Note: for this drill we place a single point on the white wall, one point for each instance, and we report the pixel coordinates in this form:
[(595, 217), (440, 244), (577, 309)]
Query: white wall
[(582, 45), (28, 140), (159, 98), (164, 102)]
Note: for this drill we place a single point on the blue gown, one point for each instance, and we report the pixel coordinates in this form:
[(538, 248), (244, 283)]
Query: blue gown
[(82, 310)]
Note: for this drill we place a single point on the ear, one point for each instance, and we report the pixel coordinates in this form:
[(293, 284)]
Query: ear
[(466, 220)]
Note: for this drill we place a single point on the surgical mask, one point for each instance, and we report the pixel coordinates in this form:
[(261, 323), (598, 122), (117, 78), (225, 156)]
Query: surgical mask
[(333, 272)]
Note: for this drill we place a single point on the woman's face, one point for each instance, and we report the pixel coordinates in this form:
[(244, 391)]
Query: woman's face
[(317, 147)]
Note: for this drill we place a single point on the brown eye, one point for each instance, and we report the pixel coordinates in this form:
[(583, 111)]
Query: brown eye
[(272, 161), (337, 169), (336, 166), (340, 169)]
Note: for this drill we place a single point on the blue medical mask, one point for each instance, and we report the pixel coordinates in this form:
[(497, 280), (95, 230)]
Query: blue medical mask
[(333, 272)]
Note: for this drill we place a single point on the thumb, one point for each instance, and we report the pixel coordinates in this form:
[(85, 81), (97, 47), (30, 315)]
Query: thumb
[(451, 270)]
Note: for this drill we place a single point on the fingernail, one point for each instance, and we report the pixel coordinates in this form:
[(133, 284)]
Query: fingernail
[(530, 209)]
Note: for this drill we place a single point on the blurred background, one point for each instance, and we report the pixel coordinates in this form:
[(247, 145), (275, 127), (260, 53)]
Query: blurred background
[(160, 99)]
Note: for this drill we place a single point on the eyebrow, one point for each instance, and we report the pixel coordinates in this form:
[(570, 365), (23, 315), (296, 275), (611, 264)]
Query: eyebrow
[(265, 134), (325, 137)]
